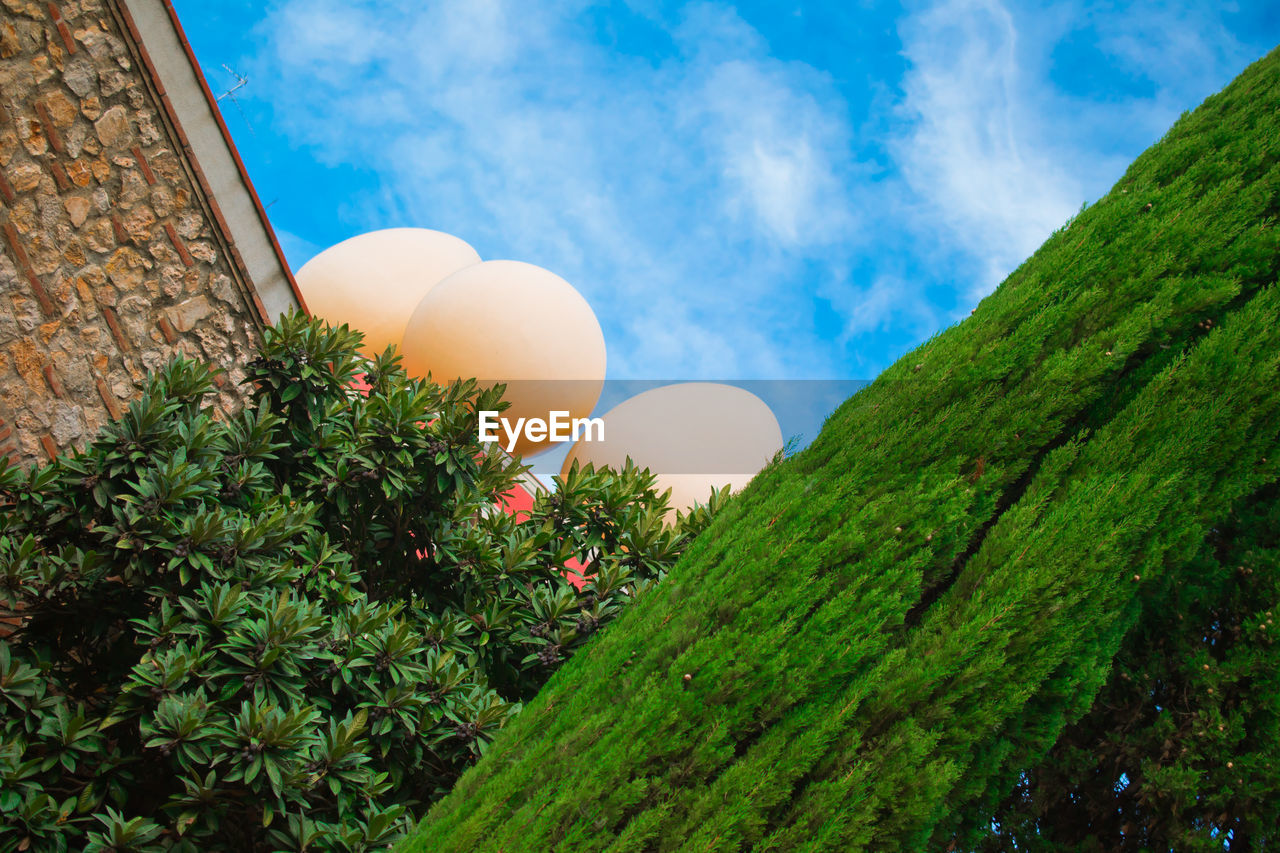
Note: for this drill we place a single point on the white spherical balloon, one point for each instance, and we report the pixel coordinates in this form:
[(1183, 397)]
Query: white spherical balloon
[(372, 282), (516, 323), (695, 436)]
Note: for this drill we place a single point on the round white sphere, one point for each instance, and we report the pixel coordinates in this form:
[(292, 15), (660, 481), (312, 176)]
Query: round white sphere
[(694, 436), (372, 282), (515, 323)]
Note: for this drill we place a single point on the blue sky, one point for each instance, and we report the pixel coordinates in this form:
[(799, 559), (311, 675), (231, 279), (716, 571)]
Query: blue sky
[(754, 191)]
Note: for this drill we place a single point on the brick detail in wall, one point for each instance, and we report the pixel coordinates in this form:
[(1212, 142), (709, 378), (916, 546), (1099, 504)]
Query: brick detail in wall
[(111, 260), (7, 448), (64, 32), (176, 242), (24, 264), (49, 128), (147, 175), (59, 175), (55, 384)]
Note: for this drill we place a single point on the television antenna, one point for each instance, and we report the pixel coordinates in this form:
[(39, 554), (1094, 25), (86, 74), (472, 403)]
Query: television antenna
[(241, 82)]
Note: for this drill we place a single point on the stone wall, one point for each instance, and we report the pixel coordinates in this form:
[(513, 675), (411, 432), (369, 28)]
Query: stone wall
[(110, 258)]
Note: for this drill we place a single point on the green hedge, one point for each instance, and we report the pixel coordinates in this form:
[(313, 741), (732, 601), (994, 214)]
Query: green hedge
[(911, 635)]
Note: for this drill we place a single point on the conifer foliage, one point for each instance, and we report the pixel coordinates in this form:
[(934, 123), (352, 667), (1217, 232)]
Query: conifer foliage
[(293, 628), (1017, 595)]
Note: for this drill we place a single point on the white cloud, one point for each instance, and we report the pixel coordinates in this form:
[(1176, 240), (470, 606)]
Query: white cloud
[(777, 148), (889, 299), (972, 152), (1178, 45), (704, 194), (996, 154), (324, 32), (681, 197)]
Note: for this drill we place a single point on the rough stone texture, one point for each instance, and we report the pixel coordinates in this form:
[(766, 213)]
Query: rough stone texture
[(110, 261)]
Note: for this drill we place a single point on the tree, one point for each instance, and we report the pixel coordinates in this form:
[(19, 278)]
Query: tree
[(1178, 751), (294, 627), (909, 635)]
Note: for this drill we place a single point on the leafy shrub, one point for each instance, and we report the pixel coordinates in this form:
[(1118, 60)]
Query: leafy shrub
[(291, 628)]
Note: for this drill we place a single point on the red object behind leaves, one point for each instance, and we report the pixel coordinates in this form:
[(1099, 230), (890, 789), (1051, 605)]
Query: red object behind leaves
[(518, 500)]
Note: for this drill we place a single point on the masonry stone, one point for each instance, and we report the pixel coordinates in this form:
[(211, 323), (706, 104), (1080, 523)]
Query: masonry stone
[(138, 222), (162, 201), (166, 166), (60, 109), (148, 133), (74, 370), (100, 191), (26, 314), (78, 208), (113, 127), (202, 251), (80, 77), (67, 424), (190, 226)]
